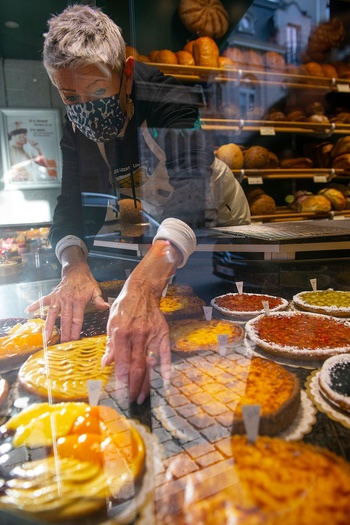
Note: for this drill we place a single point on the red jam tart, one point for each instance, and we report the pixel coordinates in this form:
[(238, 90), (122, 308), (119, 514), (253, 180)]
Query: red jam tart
[(247, 305), (300, 335)]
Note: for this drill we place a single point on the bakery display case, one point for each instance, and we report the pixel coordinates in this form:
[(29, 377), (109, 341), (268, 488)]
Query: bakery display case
[(253, 425)]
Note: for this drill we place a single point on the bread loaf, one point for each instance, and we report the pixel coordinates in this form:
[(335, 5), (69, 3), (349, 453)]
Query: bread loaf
[(232, 155), (206, 52), (166, 56), (317, 204), (204, 17), (256, 157), (260, 203), (337, 199), (184, 58), (341, 146)]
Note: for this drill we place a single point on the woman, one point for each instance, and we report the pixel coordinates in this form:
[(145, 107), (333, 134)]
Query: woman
[(153, 151)]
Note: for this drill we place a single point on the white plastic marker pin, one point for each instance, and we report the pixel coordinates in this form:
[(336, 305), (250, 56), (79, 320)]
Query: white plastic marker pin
[(222, 344), (208, 312), (165, 291), (94, 390), (251, 418), (313, 283), (239, 285), (266, 307)]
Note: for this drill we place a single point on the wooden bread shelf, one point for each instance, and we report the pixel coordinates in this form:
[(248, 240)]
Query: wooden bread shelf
[(318, 174), (283, 213), (252, 76), (271, 127)]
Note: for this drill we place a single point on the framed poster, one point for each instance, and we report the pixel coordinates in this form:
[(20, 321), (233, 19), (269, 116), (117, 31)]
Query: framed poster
[(30, 148)]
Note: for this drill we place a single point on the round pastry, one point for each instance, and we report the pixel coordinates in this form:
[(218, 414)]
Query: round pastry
[(235, 54), (64, 369), (23, 340), (316, 204), (131, 51), (263, 205), (206, 52), (313, 69), (166, 56), (300, 335), (322, 119), (341, 146), (274, 61), (333, 381), (296, 115), (153, 54), (296, 163), (181, 307), (256, 157), (329, 71), (247, 305), (93, 453), (225, 61), (329, 302), (204, 17), (232, 155), (252, 59), (268, 482), (4, 388), (338, 200), (184, 58), (341, 162), (255, 381), (190, 335)]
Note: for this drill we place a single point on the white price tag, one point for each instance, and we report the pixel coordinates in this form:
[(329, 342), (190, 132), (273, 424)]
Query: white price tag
[(239, 285), (344, 88), (208, 312), (313, 283), (266, 307), (267, 130), (94, 390), (222, 344), (251, 418), (255, 180), (320, 178)]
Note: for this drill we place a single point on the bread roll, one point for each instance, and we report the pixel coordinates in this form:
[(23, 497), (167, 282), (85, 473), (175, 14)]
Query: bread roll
[(131, 52), (342, 162), (341, 146), (206, 52), (329, 71), (263, 205), (313, 69), (296, 115), (225, 61), (256, 157), (274, 61), (153, 54), (166, 56), (206, 18), (337, 199), (296, 163), (317, 204), (235, 54), (184, 58), (189, 46), (252, 59), (232, 155)]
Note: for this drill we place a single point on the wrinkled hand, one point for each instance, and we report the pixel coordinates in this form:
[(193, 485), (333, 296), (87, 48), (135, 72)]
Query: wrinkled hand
[(138, 338), (68, 300)]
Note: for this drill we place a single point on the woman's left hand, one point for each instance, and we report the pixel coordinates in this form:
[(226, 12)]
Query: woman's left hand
[(138, 339)]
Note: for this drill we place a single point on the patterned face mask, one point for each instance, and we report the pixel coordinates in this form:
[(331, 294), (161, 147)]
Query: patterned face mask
[(99, 120)]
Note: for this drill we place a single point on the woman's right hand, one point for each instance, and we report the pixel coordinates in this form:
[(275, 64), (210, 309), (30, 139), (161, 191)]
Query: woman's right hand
[(68, 300)]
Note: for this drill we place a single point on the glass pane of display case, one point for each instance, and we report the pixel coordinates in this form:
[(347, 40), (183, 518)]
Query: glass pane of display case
[(174, 262)]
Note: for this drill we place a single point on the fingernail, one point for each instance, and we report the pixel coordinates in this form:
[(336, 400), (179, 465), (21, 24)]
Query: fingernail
[(141, 399), (104, 361)]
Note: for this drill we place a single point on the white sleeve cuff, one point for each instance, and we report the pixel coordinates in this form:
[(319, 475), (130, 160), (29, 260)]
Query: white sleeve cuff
[(180, 235), (70, 240)]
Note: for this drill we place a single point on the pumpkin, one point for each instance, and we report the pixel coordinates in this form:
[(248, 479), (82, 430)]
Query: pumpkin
[(204, 17)]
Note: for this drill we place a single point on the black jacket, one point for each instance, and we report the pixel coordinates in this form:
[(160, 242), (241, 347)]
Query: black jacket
[(165, 107)]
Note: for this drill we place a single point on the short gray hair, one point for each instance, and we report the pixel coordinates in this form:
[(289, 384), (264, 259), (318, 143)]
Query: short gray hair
[(82, 35)]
